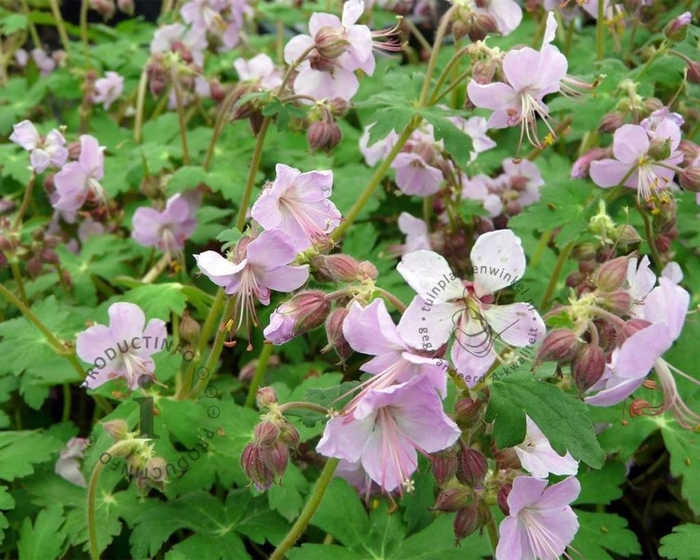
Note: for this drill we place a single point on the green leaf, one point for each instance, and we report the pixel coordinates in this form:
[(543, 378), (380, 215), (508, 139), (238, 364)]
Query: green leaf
[(288, 497), (158, 301), (229, 237), (602, 486), (600, 533), (457, 143), (219, 547), (437, 541), (684, 447), (12, 23), (44, 540), (682, 544), (309, 551), (7, 502), (20, 450), (388, 119), (562, 418), (341, 514)]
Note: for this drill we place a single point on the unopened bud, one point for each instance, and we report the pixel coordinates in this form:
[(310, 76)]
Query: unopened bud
[(627, 235), (105, 8), (693, 72), (612, 275), (467, 520), (126, 6), (153, 474), (74, 150), (472, 467), (631, 327), (289, 435), (323, 136), (453, 499), (660, 149), (6, 244), (467, 409), (335, 268), (255, 469), (49, 256), (619, 302), (502, 498), (330, 42), (582, 165), (689, 179), (444, 466), (189, 329), (588, 367), (266, 433), (368, 271), (560, 345), (34, 266), (265, 397), (611, 122), (117, 429), (217, 91), (677, 29), (338, 107), (334, 333), (584, 251)]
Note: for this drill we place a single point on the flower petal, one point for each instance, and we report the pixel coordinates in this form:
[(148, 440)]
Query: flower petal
[(518, 324), (430, 276), (428, 326), (371, 330), (498, 260)]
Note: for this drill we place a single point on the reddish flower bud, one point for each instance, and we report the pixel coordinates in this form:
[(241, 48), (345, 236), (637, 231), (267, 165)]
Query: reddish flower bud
[(74, 150), (505, 458), (583, 164), (330, 42), (306, 310), (126, 6), (189, 328), (619, 302), (467, 409), (693, 72), (631, 327), (323, 135), (368, 271), (677, 29), (6, 244), (335, 268), (584, 251), (289, 435), (218, 93), (49, 256), (453, 499), (276, 459), (265, 397), (338, 107), (466, 521), (502, 498), (34, 266), (627, 235), (560, 345), (444, 466), (117, 429), (689, 179), (612, 275), (334, 333), (472, 467), (266, 434), (588, 366), (611, 122), (254, 467)]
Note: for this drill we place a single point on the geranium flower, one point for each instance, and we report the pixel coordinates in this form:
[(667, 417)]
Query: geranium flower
[(68, 465), (541, 523), (123, 349), (166, 230), (530, 75), (417, 235), (298, 204), (537, 456), (387, 428), (636, 163), (446, 305), (79, 181), (415, 176), (46, 151), (259, 69), (108, 89)]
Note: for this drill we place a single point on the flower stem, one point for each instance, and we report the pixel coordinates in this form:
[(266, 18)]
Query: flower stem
[(492, 529), (140, 101), (367, 193), (18, 279), (84, 6), (159, 267), (32, 28), (260, 370), (445, 74), (649, 234), (558, 267), (600, 32), (439, 36), (25, 201), (180, 113), (92, 529), (218, 127), (396, 302), (308, 512), (215, 350), (304, 405), (60, 26), (254, 164)]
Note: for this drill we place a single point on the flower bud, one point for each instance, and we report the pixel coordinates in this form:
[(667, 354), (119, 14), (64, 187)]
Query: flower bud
[(612, 275), (217, 91), (34, 266), (627, 235), (189, 328), (368, 271), (49, 256), (588, 366), (330, 42), (6, 244), (660, 149), (677, 29), (444, 466), (693, 72), (505, 458), (584, 251), (126, 6), (631, 327), (582, 165), (338, 107), (502, 498), (560, 345), (105, 8), (472, 467), (266, 434), (289, 435), (153, 474), (323, 135), (309, 309), (611, 122), (453, 499), (265, 397), (467, 409), (276, 459), (689, 179), (619, 301), (117, 429), (466, 521), (335, 268), (254, 467), (334, 333)]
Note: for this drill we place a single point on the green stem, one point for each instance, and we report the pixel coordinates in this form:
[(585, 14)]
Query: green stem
[(649, 234), (368, 191), (457, 82), (541, 246), (439, 36), (140, 102), (491, 528), (157, 269), (32, 29), (661, 50), (25, 201), (18, 279), (446, 72), (304, 405), (60, 26), (84, 30), (221, 119), (260, 370), (67, 398), (215, 350), (308, 512), (254, 164), (180, 113), (92, 525), (558, 267), (396, 302), (600, 32)]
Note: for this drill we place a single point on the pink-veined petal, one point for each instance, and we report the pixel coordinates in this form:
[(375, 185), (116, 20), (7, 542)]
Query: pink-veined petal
[(518, 324), (630, 142), (427, 327), (371, 330), (498, 260), (430, 276)]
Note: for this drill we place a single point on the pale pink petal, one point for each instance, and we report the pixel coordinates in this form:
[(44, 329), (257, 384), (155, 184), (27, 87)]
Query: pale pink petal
[(496, 96), (430, 276), (518, 324), (319, 20), (219, 270), (92, 343), (295, 48), (513, 542), (608, 173), (126, 320), (344, 437), (371, 330), (428, 326), (630, 142), (284, 278), (520, 68), (352, 11), (25, 134), (270, 250), (498, 260)]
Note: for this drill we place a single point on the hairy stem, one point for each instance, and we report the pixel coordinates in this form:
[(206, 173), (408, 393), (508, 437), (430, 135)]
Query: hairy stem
[(180, 113), (84, 6), (600, 31), (25, 201), (439, 36), (558, 267), (157, 269), (260, 370), (308, 512), (140, 102), (254, 164), (60, 26)]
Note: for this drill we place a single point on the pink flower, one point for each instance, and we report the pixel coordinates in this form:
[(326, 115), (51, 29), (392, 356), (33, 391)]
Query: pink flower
[(68, 466), (539, 459), (259, 69), (475, 128), (417, 235), (377, 151), (636, 163), (45, 151), (167, 36), (166, 230), (262, 264), (123, 349), (530, 75), (415, 176), (506, 13), (108, 89), (44, 62), (447, 306), (78, 181), (387, 428), (298, 204), (220, 18), (541, 523)]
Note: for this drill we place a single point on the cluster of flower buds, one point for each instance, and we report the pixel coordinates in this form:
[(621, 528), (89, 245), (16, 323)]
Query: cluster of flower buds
[(107, 8), (265, 459), (38, 253), (323, 132)]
